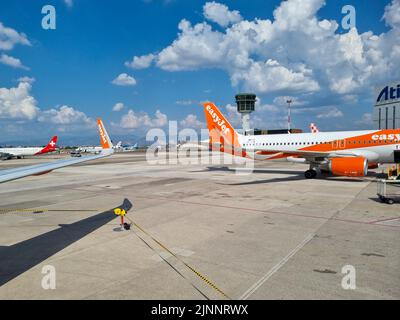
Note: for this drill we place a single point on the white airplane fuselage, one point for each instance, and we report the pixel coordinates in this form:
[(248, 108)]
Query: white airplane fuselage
[(343, 153), (370, 144), (97, 149), (20, 152), (90, 149)]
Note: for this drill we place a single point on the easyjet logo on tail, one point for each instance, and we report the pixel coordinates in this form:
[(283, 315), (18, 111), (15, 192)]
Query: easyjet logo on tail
[(103, 136), (217, 120)]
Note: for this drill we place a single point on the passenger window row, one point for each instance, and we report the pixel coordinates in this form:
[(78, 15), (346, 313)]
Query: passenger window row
[(318, 143)]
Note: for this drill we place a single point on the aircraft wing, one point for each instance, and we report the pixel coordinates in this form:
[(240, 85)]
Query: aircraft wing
[(17, 173), (21, 172)]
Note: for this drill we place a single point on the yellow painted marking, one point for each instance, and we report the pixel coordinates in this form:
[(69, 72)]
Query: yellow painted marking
[(208, 282)]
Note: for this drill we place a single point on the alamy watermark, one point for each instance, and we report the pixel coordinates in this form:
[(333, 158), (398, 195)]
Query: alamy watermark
[(49, 21), (189, 147), (349, 280), (349, 20), (49, 278)]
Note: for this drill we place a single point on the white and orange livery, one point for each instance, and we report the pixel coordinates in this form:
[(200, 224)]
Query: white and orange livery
[(343, 153)]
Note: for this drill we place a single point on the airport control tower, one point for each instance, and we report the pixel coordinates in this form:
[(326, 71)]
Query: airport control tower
[(245, 105)]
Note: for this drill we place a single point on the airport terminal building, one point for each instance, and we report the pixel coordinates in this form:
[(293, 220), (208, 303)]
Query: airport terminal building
[(387, 106)]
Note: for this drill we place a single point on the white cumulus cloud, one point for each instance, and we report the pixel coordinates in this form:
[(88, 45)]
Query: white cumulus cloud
[(118, 107), (392, 14), (65, 115), (124, 80), (191, 121), (233, 115), (12, 62), (142, 62), (366, 119), (133, 120), (332, 112), (220, 13), (18, 103), (19, 110), (10, 37), (295, 52), (27, 79)]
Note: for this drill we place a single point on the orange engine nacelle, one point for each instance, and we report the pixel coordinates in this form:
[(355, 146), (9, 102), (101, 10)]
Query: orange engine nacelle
[(349, 167)]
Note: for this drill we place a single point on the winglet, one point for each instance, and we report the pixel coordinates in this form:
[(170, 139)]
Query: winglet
[(104, 137)]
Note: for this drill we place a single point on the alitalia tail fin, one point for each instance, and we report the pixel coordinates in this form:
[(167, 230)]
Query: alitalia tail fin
[(104, 137), (313, 128)]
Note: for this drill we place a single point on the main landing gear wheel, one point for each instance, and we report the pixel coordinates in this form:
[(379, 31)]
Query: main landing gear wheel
[(310, 174), (389, 201)]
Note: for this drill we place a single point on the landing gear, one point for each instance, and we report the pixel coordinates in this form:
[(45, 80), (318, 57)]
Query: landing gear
[(310, 174), (389, 201)]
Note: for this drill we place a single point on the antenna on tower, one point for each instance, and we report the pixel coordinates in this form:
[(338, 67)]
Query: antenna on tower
[(289, 102)]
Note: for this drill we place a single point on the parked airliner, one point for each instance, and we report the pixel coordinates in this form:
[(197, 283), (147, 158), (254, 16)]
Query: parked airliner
[(9, 153), (99, 149), (343, 153)]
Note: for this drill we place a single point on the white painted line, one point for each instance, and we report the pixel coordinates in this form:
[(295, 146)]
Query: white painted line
[(391, 222), (274, 269)]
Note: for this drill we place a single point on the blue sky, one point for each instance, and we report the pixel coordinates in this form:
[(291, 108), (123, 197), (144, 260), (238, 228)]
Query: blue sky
[(68, 74)]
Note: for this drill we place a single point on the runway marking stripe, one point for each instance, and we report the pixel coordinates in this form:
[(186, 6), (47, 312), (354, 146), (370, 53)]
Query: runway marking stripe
[(208, 282), (384, 220), (173, 268), (274, 269)]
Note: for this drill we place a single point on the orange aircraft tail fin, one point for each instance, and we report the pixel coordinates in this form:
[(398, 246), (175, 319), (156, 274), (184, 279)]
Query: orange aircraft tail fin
[(221, 132), (104, 137)]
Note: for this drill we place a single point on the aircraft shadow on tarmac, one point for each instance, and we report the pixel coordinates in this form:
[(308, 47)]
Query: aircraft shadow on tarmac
[(295, 175), (21, 257)]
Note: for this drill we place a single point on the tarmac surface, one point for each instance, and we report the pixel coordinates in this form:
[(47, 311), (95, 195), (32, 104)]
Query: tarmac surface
[(199, 231)]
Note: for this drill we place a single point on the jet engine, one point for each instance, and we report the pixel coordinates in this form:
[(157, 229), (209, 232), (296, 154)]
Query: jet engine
[(349, 167)]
